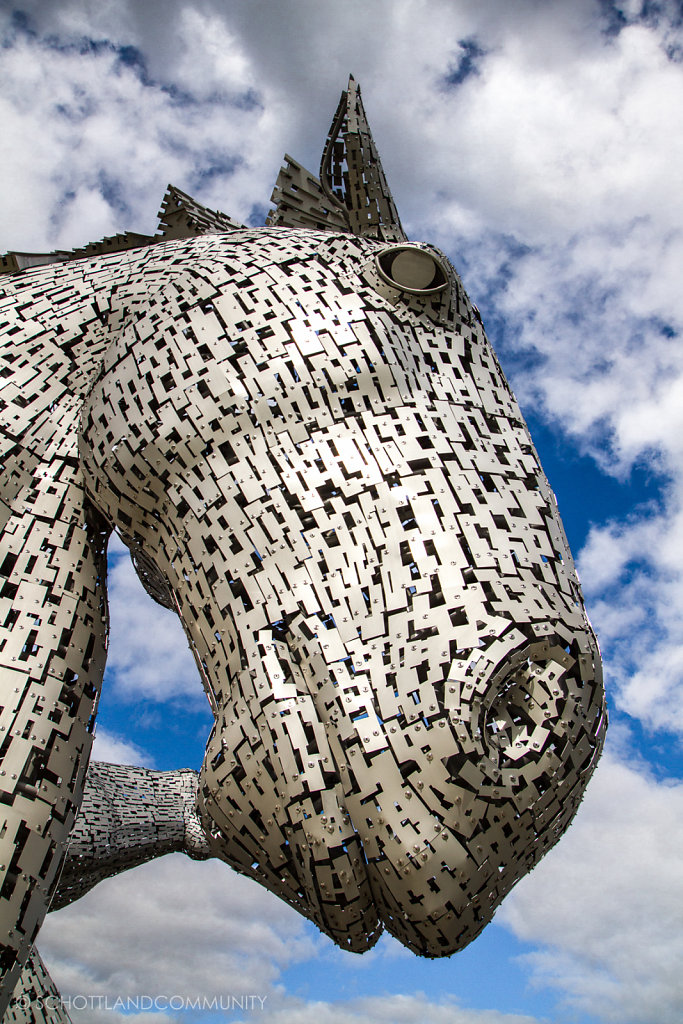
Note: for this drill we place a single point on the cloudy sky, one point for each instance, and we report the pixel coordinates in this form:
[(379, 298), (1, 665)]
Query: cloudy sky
[(540, 143)]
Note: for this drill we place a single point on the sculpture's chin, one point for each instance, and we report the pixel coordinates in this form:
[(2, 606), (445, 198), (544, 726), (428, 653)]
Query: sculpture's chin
[(315, 863), (331, 879)]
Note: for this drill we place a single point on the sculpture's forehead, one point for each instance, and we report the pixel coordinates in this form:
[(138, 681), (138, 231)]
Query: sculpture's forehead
[(297, 257), (322, 272), (282, 245)]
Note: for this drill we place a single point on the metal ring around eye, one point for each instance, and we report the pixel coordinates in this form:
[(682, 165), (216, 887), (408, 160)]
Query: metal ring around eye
[(411, 270)]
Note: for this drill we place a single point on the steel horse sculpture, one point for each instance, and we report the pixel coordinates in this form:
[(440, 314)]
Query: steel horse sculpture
[(304, 438)]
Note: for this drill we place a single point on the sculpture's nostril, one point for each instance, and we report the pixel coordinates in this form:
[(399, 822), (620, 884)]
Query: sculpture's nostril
[(540, 714), (515, 726), (524, 735)]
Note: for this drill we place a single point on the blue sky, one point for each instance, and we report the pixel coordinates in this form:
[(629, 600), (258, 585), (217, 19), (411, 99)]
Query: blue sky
[(540, 145)]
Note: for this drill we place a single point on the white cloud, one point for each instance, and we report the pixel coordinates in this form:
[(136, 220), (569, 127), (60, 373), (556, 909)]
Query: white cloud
[(115, 750), (186, 929), (223, 63), (174, 927), (93, 142), (605, 905), (98, 1011), (607, 901), (397, 1009), (633, 579), (149, 654)]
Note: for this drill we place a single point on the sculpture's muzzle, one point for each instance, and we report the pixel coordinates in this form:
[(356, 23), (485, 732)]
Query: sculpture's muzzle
[(399, 788)]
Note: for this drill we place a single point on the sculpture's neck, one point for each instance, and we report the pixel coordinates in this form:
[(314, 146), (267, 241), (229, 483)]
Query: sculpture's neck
[(64, 316), (58, 322), (56, 325)]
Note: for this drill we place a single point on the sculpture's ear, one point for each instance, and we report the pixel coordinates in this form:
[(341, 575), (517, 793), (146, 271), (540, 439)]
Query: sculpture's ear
[(351, 173), (352, 193)]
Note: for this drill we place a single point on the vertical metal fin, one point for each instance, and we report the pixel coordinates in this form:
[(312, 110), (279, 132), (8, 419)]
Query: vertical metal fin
[(352, 176)]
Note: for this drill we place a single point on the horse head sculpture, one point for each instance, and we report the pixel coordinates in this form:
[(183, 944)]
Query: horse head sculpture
[(304, 438)]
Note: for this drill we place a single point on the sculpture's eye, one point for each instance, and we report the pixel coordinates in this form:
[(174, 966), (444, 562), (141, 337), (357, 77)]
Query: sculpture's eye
[(411, 269)]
